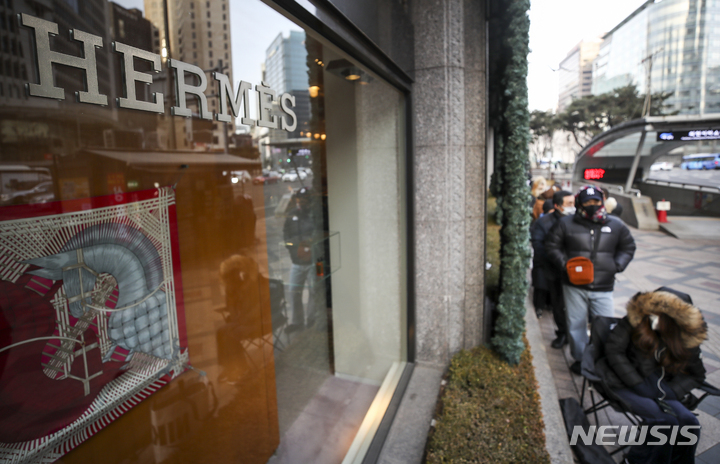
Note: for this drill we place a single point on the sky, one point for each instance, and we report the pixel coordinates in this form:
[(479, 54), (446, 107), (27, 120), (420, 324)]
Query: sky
[(254, 26), (556, 26)]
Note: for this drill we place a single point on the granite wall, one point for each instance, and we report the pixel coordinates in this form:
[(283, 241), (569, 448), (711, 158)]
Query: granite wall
[(449, 119)]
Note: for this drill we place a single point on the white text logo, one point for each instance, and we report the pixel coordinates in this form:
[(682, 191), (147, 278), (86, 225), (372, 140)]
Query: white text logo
[(606, 435)]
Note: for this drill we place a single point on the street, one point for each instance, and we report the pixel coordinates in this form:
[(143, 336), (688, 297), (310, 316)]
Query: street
[(683, 176)]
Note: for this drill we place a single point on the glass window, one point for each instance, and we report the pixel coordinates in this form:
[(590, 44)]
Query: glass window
[(234, 282)]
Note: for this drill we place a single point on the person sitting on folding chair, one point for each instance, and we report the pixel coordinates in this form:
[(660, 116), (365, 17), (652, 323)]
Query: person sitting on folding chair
[(653, 364)]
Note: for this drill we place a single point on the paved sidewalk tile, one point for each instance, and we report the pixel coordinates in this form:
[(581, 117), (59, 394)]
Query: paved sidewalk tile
[(711, 456), (691, 266)]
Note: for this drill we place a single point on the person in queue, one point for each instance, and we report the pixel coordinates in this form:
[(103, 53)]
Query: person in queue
[(547, 207), (596, 247), (541, 295), (537, 186), (543, 272), (652, 362)]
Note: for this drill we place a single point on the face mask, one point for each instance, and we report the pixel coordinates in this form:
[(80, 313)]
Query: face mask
[(654, 321), (592, 209), (568, 211)]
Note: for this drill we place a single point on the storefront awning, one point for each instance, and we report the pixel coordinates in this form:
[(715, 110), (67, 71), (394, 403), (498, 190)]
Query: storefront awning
[(164, 158), (291, 143)]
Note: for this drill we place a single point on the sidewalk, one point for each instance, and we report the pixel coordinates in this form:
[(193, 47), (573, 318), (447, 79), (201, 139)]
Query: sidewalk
[(690, 266)]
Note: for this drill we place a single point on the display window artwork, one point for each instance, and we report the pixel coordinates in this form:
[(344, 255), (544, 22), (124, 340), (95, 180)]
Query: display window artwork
[(91, 317)]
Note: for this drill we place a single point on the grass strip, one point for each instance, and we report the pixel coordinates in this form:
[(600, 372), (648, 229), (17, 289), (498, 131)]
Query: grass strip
[(489, 412)]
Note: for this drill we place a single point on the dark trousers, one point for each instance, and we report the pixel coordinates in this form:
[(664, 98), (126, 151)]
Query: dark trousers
[(642, 402), (540, 298), (557, 303)]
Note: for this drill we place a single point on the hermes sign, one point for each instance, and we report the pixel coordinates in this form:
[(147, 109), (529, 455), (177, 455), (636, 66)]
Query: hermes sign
[(264, 95)]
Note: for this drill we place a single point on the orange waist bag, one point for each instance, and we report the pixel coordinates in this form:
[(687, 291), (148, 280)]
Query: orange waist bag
[(580, 271)]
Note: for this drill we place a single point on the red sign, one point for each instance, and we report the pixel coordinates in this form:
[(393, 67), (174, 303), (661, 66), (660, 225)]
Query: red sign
[(594, 174), (595, 148)]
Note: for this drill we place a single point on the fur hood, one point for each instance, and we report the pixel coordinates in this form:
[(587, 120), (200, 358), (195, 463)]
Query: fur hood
[(687, 316)]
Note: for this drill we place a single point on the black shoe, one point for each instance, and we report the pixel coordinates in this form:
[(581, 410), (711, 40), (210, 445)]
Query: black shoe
[(576, 368), (559, 342), (538, 313)]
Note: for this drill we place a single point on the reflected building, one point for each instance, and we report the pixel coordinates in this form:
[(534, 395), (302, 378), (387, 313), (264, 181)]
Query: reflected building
[(200, 35), (677, 42), (26, 139), (286, 70)]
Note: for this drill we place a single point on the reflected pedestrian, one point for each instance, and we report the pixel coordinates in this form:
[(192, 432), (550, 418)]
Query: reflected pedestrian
[(298, 233)]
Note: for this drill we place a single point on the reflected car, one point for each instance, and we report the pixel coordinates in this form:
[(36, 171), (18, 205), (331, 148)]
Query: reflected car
[(292, 176), (240, 177), (267, 178), (662, 166), (41, 193)]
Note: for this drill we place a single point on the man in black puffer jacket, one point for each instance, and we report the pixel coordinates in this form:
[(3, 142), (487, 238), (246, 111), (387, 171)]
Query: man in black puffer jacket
[(298, 232), (607, 242), (544, 274)]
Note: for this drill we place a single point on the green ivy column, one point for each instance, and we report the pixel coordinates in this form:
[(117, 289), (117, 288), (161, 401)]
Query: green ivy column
[(514, 192)]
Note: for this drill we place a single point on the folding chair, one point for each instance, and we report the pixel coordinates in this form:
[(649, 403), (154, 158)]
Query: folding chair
[(599, 331), (278, 311)]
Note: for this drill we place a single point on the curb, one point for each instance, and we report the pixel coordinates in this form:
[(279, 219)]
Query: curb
[(556, 441)]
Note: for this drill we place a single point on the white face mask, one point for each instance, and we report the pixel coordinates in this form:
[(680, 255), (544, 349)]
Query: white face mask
[(568, 211), (654, 321)]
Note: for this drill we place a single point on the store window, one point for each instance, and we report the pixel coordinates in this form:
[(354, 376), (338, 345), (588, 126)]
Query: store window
[(187, 275)]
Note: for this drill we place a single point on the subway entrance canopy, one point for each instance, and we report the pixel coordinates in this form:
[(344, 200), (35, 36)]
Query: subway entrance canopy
[(624, 154)]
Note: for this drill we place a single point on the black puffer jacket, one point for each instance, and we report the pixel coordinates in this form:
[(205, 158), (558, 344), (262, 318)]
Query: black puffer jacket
[(574, 236), (298, 232), (625, 366), (543, 271)]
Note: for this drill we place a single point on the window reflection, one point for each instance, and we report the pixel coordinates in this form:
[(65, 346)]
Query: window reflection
[(290, 232)]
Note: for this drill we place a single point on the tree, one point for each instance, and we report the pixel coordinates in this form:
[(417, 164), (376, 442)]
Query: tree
[(542, 128), (591, 115)]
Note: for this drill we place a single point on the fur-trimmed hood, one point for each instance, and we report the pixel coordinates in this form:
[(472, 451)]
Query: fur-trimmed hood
[(687, 316)]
